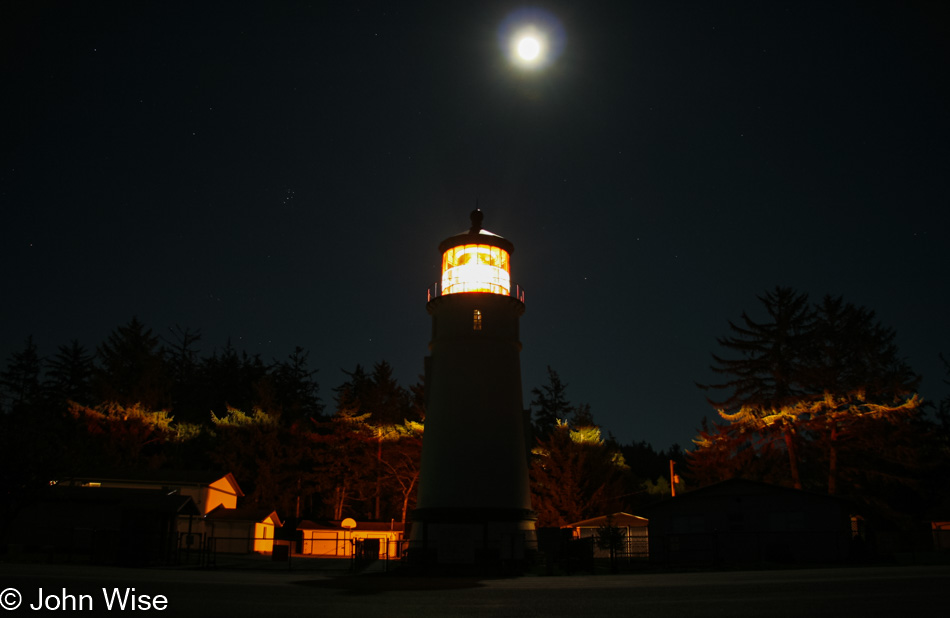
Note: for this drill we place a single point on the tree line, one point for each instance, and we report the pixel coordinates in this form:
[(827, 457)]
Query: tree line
[(814, 396), (141, 401)]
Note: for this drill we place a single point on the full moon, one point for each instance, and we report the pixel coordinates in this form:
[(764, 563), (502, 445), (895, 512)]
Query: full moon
[(529, 48), (531, 39)]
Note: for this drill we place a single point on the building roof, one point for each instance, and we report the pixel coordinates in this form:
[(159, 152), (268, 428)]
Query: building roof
[(160, 478), (476, 236), (366, 526), (245, 513), (737, 487), (122, 498), (618, 520)]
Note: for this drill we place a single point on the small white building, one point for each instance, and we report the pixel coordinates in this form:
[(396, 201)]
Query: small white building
[(635, 533), (331, 540), (243, 530)]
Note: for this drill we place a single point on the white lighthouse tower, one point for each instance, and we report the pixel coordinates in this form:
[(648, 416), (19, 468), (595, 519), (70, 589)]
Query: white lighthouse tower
[(474, 504)]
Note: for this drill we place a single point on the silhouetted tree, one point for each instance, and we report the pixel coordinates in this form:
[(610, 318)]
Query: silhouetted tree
[(231, 379), (350, 395), (183, 362), (772, 355), (33, 435), (131, 368), (417, 401), (379, 395), (854, 352), (581, 416), (69, 375), (943, 411), (20, 379), (295, 392), (550, 404)]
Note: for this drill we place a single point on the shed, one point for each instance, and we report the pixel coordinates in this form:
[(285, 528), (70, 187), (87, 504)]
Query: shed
[(106, 525), (635, 533), (748, 522), (242, 530)]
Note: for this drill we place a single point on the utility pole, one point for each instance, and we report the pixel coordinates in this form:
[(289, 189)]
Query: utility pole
[(672, 479)]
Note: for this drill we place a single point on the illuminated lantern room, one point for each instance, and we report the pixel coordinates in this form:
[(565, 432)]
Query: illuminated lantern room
[(476, 261), (475, 268)]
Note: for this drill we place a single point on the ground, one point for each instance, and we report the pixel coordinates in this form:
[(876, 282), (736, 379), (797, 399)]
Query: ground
[(865, 591)]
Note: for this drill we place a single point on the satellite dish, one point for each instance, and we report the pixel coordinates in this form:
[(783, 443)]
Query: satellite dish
[(349, 523)]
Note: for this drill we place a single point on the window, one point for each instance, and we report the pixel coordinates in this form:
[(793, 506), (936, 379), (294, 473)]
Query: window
[(477, 320)]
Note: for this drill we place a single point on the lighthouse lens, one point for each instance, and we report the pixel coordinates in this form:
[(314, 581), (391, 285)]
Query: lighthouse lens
[(475, 268)]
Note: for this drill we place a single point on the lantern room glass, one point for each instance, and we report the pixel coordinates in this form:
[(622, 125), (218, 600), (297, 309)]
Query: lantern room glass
[(476, 268)]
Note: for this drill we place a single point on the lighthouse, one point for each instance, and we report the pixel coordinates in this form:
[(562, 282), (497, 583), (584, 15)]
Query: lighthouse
[(474, 503)]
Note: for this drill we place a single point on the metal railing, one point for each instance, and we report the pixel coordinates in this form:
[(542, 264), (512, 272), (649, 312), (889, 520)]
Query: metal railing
[(435, 291)]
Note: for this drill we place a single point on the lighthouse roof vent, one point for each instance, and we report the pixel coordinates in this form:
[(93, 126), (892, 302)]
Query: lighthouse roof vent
[(476, 235)]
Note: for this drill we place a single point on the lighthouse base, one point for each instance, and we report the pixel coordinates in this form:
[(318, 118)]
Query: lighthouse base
[(479, 537)]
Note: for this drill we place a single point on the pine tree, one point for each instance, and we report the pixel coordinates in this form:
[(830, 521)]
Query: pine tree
[(232, 380), (814, 378), (551, 403), (20, 379), (767, 379), (770, 367), (132, 368), (69, 375), (350, 395), (855, 375), (183, 363), (295, 391), (378, 397)]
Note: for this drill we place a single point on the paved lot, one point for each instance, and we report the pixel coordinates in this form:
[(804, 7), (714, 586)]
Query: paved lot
[(870, 591)]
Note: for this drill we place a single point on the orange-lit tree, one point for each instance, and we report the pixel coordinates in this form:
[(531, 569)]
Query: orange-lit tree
[(817, 378), (400, 455), (385, 413), (344, 450), (125, 436), (273, 459), (575, 475)]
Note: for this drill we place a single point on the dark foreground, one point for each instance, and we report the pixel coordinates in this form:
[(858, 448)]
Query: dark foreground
[(869, 591)]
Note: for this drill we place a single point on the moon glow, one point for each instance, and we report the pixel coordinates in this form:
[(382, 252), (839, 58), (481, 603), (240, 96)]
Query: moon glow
[(529, 48), (531, 39)]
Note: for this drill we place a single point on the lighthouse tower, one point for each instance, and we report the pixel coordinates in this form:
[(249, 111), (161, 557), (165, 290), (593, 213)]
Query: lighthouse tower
[(474, 505)]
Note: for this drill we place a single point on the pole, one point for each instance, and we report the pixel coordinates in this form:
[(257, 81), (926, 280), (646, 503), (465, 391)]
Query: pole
[(672, 479)]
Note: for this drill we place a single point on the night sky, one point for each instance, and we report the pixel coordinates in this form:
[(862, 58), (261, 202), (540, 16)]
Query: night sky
[(280, 174)]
